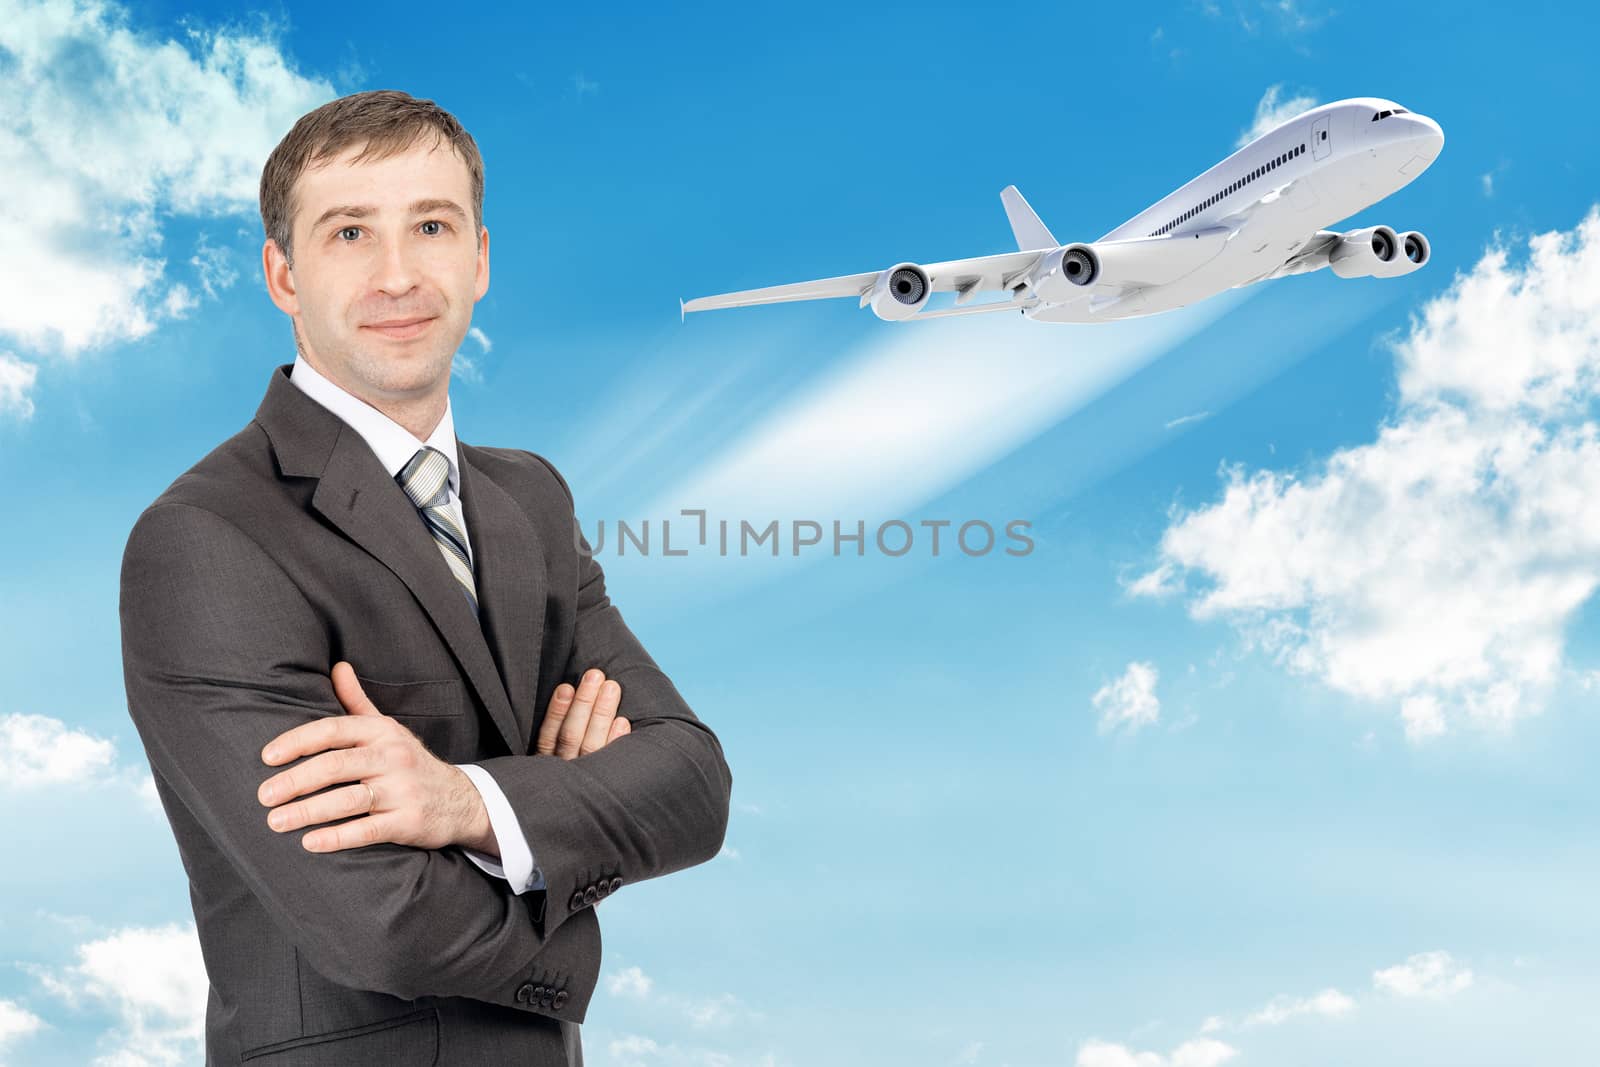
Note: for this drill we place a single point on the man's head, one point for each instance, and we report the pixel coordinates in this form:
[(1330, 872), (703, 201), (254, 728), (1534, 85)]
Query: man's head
[(373, 211)]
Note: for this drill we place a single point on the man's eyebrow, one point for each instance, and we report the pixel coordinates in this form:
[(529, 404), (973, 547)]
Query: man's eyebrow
[(432, 205)]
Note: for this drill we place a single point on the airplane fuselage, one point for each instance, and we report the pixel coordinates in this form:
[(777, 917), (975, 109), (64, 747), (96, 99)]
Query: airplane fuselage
[(1323, 166)]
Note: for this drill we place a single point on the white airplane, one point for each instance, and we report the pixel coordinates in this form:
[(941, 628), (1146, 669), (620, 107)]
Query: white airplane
[(1258, 214)]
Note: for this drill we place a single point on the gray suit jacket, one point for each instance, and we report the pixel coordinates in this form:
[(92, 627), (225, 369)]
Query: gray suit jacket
[(289, 548)]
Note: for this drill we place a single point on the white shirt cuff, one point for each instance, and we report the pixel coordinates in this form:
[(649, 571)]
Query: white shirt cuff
[(516, 858)]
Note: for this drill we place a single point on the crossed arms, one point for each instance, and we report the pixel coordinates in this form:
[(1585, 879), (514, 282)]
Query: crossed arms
[(222, 652)]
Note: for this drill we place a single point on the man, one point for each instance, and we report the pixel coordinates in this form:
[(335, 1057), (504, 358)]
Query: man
[(337, 630)]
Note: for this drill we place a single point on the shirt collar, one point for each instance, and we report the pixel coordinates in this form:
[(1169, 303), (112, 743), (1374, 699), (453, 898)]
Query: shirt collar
[(393, 444)]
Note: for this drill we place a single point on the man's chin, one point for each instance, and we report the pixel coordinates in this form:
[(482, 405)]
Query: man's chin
[(401, 369)]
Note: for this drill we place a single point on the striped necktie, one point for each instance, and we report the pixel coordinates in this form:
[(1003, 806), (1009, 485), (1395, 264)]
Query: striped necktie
[(426, 480)]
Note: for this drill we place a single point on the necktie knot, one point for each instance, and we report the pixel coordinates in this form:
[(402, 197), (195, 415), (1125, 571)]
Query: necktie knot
[(426, 477)]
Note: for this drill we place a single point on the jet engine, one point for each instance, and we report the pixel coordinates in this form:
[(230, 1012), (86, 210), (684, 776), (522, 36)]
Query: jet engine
[(1416, 248), (900, 292), (1372, 252), (1065, 272), (1413, 254)]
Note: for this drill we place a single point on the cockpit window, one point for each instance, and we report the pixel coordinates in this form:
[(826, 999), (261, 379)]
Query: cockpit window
[(1385, 114)]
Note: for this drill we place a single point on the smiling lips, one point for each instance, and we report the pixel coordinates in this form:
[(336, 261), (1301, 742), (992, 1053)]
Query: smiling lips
[(399, 329)]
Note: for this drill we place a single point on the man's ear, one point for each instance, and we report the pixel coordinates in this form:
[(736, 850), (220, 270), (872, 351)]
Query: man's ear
[(279, 274), (482, 283)]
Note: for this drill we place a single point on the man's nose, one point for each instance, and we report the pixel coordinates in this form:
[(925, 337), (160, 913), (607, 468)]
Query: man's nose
[(396, 269)]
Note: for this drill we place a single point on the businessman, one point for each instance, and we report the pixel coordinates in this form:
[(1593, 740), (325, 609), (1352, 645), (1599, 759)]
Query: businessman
[(375, 669)]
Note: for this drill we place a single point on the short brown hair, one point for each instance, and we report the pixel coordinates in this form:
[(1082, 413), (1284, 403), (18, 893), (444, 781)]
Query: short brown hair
[(386, 121)]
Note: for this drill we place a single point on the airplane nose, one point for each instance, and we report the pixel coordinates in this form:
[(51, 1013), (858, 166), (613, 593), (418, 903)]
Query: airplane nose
[(1424, 132)]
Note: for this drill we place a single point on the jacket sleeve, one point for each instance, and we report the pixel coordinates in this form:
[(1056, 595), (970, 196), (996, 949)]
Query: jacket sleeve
[(222, 652), (651, 802)]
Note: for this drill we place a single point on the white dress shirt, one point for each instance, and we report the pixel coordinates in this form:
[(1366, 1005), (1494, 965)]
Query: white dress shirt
[(394, 446)]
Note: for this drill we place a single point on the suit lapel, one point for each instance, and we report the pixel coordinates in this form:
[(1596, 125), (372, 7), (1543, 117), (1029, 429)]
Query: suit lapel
[(508, 559), (357, 496)]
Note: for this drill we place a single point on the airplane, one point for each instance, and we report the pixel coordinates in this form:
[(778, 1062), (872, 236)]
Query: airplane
[(1258, 214)]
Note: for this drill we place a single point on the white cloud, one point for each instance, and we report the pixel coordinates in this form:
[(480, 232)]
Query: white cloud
[(1181, 419), (1129, 700), (1196, 1052), (1272, 109), (702, 1012), (1434, 975), (712, 1011), (214, 266), (1489, 177), (1329, 1003), (636, 1050), (1423, 717), (36, 750), (1286, 16), (16, 382), (632, 1045), (463, 365), (628, 982), (16, 1023), (1437, 567), (121, 128), (155, 981)]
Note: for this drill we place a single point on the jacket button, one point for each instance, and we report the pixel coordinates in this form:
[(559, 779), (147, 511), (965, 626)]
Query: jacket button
[(561, 999), (525, 992), (577, 900), (590, 895), (616, 883)]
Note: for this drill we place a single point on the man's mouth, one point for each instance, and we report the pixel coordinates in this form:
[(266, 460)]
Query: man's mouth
[(399, 329)]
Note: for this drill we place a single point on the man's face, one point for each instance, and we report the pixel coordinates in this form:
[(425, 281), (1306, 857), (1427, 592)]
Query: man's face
[(384, 242)]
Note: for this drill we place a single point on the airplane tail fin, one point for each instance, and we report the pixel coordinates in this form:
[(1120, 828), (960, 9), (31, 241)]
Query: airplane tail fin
[(1030, 230)]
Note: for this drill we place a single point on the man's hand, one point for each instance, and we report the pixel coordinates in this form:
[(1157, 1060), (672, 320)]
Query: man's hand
[(416, 798), (584, 720)]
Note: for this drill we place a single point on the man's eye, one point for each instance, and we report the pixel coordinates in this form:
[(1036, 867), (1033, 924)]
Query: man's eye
[(433, 222), (349, 229)]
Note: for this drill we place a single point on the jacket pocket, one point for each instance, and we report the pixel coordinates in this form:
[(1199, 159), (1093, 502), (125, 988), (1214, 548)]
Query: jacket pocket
[(431, 697), (410, 1040)]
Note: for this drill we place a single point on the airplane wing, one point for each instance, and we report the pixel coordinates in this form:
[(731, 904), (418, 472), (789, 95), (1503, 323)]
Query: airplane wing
[(966, 277), (1313, 255), (1122, 266)]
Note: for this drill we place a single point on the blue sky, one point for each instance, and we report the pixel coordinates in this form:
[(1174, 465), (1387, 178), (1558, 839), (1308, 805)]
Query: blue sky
[(1274, 749)]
